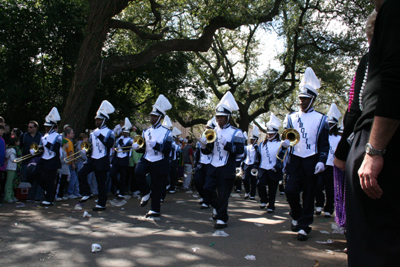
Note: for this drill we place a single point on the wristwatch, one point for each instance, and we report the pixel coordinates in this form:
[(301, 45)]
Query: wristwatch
[(372, 151)]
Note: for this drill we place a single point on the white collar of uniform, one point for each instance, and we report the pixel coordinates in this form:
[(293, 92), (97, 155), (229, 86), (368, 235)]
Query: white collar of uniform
[(308, 111)]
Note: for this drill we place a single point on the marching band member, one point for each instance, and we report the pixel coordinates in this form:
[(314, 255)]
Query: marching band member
[(120, 161), (221, 172), (101, 141), (155, 160), (239, 168), (269, 173), (325, 179), (45, 171), (308, 157), (250, 162), (201, 166), (174, 160), (168, 124)]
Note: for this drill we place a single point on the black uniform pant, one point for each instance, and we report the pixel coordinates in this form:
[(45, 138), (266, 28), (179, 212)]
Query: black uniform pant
[(159, 174), (172, 175), (299, 182), (270, 179), (325, 182), (217, 190), (63, 185), (46, 177), (373, 232), (132, 179), (118, 168), (199, 181), (101, 179), (250, 181)]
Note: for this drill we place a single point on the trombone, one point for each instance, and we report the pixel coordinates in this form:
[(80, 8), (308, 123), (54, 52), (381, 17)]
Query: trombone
[(84, 146), (35, 147), (293, 136), (123, 149)]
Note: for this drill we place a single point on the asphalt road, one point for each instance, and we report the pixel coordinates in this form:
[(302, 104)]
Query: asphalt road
[(60, 236)]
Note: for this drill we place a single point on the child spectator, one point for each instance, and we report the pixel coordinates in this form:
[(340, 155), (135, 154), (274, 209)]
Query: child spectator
[(63, 172), (12, 153)]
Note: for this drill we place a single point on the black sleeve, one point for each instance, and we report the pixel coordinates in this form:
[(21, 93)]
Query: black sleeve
[(208, 150), (109, 142), (323, 143), (353, 114)]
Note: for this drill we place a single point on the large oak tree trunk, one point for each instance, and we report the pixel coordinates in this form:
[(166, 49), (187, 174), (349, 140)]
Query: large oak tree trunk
[(87, 71)]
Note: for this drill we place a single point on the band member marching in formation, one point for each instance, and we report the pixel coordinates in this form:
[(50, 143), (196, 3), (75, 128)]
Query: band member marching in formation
[(168, 125), (239, 168), (45, 172), (155, 160), (201, 166), (174, 158), (251, 162), (120, 161), (308, 157), (269, 173), (325, 179), (221, 172), (101, 141)]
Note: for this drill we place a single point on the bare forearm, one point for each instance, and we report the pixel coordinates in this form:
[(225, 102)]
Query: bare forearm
[(382, 132)]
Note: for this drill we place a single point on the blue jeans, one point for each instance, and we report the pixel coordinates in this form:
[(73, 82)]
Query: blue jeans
[(73, 182)]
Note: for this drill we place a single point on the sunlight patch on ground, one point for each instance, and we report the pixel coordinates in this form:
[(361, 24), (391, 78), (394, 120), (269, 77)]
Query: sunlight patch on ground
[(262, 220)]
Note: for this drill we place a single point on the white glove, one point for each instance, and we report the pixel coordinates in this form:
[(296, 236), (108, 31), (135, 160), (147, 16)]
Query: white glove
[(203, 142), (135, 146), (96, 133), (152, 143), (222, 141), (285, 143), (32, 151), (320, 167)]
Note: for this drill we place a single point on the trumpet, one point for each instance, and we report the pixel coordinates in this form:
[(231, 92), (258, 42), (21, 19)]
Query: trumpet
[(84, 146), (239, 172), (33, 146), (293, 136), (209, 134), (138, 139), (254, 172)]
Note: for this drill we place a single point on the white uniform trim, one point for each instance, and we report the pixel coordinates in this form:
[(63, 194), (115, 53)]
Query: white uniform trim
[(333, 142), (159, 134), (99, 150), (126, 141), (268, 154), (251, 153), (51, 138)]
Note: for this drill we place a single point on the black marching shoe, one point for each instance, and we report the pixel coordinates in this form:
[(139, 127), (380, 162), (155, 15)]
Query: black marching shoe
[(295, 226), (46, 204), (220, 224), (145, 200), (318, 211), (214, 214), (98, 208), (246, 195), (204, 206), (302, 235), (84, 199), (152, 214)]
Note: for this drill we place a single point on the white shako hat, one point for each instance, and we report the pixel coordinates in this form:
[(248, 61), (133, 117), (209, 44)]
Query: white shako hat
[(176, 132), (212, 123), (52, 118), (309, 84), (255, 133), (273, 124), (226, 105), (245, 135), (167, 122), (334, 114), (161, 106), (127, 126), (105, 109)]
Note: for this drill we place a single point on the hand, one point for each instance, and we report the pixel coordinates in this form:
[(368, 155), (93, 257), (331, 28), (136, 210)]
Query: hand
[(152, 143), (320, 167), (203, 142), (44, 141), (135, 146), (96, 133), (368, 173), (32, 151), (285, 143), (340, 164), (222, 141)]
